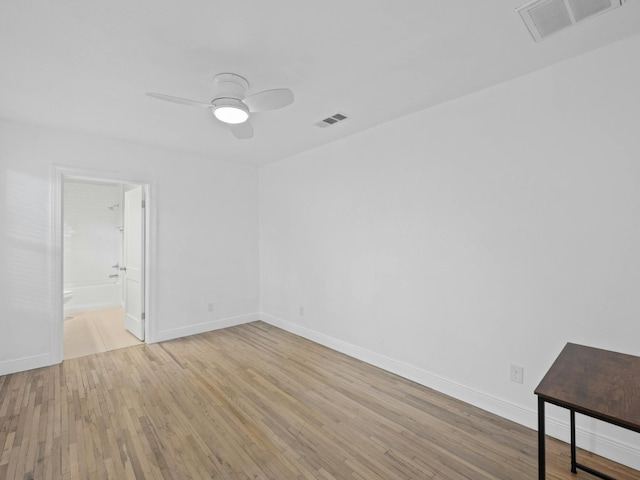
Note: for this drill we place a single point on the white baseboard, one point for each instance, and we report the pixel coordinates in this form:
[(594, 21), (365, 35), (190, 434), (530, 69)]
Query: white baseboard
[(602, 445), (29, 363), (173, 333)]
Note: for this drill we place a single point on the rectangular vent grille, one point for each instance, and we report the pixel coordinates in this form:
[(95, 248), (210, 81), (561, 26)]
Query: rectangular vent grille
[(546, 17), (332, 120)]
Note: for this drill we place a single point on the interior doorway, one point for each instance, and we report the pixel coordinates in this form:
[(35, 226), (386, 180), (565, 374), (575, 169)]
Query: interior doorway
[(103, 231)]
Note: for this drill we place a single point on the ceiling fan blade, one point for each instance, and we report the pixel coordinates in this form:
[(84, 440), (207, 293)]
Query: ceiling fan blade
[(183, 101), (269, 100), (242, 131)]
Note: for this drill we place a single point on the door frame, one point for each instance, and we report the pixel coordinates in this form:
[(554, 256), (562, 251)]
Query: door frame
[(149, 187)]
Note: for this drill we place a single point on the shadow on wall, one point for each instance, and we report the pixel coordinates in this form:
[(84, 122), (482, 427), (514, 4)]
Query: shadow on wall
[(27, 233), (25, 296)]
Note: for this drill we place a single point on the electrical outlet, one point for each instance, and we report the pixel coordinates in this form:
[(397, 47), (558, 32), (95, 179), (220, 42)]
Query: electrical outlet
[(301, 311), (517, 373), (211, 306)]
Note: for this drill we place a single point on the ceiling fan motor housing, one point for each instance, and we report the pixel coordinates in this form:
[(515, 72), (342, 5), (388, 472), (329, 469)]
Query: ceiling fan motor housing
[(230, 85)]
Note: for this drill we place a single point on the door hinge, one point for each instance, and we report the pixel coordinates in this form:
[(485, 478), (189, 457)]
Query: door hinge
[(144, 204), (143, 315)]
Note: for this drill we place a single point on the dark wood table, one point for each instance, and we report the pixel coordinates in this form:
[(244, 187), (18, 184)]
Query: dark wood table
[(598, 383)]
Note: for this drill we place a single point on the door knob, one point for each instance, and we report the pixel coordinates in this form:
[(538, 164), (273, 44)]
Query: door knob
[(123, 269)]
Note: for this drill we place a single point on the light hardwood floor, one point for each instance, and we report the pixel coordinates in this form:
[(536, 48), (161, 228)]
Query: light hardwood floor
[(253, 402)]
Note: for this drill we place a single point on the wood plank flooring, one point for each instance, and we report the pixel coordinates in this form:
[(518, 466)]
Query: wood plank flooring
[(253, 402)]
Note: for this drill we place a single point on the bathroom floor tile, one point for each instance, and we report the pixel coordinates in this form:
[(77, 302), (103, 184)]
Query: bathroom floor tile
[(82, 349), (128, 340), (96, 331), (110, 324), (81, 338)]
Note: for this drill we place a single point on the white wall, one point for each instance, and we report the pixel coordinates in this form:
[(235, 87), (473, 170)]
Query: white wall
[(207, 231), (486, 231)]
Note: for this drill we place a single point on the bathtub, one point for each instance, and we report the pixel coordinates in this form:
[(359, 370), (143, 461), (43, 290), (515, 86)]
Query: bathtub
[(94, 297)]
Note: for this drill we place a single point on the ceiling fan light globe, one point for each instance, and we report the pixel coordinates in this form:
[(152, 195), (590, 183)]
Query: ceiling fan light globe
[(230, 114)]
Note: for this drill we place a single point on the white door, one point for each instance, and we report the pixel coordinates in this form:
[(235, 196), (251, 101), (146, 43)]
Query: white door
[(134, 262)]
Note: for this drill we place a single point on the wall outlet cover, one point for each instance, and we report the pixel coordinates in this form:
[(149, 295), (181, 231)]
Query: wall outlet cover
[(516, 373)]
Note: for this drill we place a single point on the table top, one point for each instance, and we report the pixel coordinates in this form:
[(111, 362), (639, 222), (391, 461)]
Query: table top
[(600, 383)]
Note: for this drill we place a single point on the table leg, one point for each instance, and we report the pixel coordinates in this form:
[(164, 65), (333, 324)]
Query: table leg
[(541, 451), (573, 441)]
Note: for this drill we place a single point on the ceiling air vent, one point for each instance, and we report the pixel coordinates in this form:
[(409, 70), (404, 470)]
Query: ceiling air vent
[(545, 17), (332, 120)]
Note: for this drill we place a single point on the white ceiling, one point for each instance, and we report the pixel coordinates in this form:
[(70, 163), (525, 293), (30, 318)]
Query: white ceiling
[(86, 65)]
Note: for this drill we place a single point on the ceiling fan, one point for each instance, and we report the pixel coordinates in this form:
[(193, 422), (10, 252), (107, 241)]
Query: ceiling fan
[(232, 106)]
